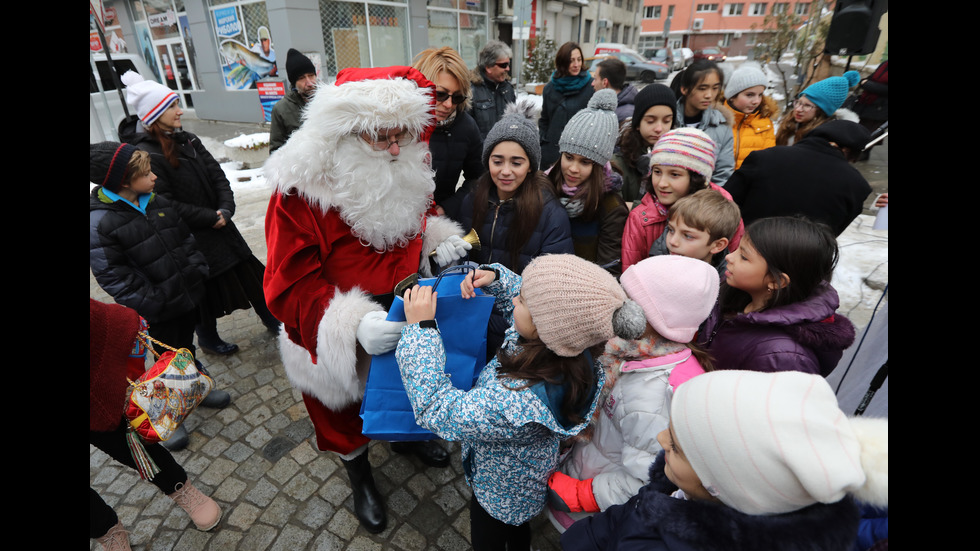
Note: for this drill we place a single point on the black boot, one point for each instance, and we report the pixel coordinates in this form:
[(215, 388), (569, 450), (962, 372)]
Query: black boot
[(210, 342), (368, 504), (428, 451)]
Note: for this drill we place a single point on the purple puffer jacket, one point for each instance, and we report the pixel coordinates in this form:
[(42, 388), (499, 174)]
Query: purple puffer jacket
[(806, 336)]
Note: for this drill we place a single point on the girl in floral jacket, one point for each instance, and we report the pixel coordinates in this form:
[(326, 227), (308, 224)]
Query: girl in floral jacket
[(541, 388)]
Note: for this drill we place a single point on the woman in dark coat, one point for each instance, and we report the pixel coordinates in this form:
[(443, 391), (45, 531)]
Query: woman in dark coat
[(568, 91), (456, 144), (194, 182)]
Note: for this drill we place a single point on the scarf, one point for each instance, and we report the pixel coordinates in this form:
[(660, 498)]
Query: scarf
[(449, 120), (571, 84)]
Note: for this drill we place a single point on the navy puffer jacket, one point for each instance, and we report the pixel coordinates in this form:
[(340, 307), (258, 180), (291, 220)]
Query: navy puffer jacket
[(148, 262)]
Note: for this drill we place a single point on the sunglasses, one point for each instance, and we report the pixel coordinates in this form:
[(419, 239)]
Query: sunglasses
[(503, 65), (443, 96)]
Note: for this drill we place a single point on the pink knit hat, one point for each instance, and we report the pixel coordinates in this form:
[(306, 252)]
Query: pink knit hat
[(675, 292), (575, 304)]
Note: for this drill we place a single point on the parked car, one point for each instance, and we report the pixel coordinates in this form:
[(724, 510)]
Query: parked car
[(637, 68), (687, 54), (103, 122), (661, 55), (711, 54)]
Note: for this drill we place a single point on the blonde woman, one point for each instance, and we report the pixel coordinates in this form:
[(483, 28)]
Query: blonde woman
[(455, 143)]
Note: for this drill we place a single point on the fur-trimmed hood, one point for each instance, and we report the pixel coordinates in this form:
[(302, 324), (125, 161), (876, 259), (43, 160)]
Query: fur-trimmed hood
[(768, 109)]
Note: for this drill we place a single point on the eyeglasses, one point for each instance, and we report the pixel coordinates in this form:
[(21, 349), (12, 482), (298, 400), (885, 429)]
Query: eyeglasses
[(504, 65), (402, 139), (803, 106), (443, 96)]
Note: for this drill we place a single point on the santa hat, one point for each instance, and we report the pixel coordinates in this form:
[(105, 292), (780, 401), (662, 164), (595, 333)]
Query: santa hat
[(149, 98), (366, 99)]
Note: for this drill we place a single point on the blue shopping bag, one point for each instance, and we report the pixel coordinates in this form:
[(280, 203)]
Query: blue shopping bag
[(385, 410)]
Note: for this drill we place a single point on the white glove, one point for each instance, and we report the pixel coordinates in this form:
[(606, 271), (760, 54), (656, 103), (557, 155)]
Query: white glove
[(378, 335), (453, 248)]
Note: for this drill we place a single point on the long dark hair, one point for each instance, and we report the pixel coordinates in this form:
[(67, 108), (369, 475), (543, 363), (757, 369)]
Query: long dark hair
[(589, 192), (690, 77), (564, 58), (167, 144), (796, 246), (537, 363), (528, 203)]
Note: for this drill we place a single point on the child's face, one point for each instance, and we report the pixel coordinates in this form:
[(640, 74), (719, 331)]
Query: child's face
[(747, 270), (143, 184), (748, 100), (509, 166), (170, 118), (575, 169), (703, 94), (522, 319), (655, 122), (669, 183), (678, 469), (804, 110), (691, 242)]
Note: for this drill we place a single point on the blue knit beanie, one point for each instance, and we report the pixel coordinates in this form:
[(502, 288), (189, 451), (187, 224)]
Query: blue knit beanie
[(829, 94)]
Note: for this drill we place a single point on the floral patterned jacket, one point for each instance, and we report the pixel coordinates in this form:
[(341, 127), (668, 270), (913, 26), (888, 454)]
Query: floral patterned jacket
[(510, 434)]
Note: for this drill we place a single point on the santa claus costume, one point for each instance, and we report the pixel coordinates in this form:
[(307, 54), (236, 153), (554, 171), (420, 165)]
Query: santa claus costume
[(345, 223)]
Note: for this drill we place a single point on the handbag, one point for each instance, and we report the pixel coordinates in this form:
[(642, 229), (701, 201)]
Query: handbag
[(160, 399), (385, 410)]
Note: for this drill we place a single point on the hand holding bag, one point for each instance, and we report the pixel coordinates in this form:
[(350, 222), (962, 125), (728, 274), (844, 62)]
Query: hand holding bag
[(385, 410)]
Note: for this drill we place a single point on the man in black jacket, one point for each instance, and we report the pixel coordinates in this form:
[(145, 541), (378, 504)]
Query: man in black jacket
[(492, 90), (813, 177), (286, 113)]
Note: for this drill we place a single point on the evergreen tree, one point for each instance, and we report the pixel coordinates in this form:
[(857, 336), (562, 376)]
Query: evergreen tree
[(540, 61)]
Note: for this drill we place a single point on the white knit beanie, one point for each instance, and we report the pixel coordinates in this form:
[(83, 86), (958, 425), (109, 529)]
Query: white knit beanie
[(687, 148), (743, 78), (147, 97), (676, 293), (575, 304), (771, 443)]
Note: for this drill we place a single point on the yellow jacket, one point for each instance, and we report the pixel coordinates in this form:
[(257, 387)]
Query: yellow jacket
[(754, 131)]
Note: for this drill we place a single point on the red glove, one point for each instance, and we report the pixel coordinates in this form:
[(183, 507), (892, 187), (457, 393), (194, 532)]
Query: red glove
[(571, 495)]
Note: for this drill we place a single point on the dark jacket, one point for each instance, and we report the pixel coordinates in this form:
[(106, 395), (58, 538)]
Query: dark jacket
[(624, 102), (198, 189), (457, 148), (286, 118), (807, 336), (811, 178), (556, 110), (652, 520), (148, 262), (489, 101)]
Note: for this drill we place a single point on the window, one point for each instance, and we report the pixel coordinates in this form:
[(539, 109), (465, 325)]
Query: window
[(733, 9), (459, 25), (780, 8), (651, 12), (706, 8), (369, 33), (758, 8), (802, 8), (588, 30), (240, 31)]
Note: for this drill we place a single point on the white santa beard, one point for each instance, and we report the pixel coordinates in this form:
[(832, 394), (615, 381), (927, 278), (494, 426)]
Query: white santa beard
[(381, 197)]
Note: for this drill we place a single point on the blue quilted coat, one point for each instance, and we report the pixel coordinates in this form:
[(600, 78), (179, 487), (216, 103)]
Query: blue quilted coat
[(510, 435)]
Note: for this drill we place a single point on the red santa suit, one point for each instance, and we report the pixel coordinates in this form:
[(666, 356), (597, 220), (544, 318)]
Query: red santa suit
[(346, 223)]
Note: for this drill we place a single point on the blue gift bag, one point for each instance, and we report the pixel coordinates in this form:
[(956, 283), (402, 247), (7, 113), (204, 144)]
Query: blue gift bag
[(385, 410)]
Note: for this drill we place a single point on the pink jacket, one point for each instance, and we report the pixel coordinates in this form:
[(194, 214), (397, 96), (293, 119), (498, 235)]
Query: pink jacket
[(645, 224)]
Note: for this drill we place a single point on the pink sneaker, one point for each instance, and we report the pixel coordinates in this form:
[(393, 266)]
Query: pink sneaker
[(203, 510), (116, 539)]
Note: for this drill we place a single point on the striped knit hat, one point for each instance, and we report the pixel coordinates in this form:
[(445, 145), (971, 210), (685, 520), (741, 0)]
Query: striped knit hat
[(687, 148), (147, 97), (108, 162)]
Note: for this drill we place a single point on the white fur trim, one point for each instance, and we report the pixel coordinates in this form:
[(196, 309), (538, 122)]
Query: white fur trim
[(843, 114), (337, 379), (872, 433), (437, 230)]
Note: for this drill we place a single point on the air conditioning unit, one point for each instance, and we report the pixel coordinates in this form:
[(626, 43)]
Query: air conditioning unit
[(505, 7), (737, 34), (603, 23), (698, 24)]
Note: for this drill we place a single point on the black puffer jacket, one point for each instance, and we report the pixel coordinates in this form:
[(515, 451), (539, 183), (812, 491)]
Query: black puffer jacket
[(457, 148), (148, 262), (198, 189)]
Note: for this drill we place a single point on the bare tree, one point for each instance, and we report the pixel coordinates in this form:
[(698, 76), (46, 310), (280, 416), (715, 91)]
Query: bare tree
[(787, 32)]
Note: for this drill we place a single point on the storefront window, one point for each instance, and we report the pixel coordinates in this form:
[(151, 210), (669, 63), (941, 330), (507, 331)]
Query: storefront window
[(163, 39), (364, 34), (245, 45), (460, 24)]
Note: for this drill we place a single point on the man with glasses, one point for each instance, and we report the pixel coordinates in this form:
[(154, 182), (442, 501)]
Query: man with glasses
[(492, 90), (350, 216)]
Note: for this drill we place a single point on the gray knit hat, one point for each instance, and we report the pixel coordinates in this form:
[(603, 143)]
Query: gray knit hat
[(517, 125), (743, 78), (592, 132)]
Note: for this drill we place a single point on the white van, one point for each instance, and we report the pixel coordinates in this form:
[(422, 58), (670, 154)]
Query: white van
[(613, 48), (103, 120)]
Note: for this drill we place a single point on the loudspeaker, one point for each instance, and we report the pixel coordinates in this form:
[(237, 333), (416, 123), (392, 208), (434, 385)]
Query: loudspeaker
[(854, 27)]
